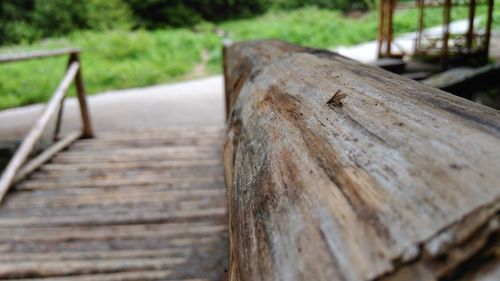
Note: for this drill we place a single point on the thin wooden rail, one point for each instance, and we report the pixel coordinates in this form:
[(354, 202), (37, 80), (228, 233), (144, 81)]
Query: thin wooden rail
[(16, 169), (37, 55)]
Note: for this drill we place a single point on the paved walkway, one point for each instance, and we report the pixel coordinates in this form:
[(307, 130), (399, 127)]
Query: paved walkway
[(197, 103)]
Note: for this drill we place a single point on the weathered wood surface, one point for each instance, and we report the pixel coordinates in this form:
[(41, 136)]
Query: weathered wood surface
[(162, 218), (400, 183)]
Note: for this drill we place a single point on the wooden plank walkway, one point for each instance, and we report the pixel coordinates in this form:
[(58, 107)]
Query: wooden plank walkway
[(136, 205)]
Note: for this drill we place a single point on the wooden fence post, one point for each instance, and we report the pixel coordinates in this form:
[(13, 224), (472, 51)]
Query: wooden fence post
[(88, 131)]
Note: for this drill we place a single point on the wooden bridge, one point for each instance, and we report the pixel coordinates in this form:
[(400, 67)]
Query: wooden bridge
[(126, 205), (334, 170), (141, 205)]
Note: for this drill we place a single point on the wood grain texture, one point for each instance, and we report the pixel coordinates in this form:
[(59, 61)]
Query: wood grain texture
[(155, 219), (400, 183)]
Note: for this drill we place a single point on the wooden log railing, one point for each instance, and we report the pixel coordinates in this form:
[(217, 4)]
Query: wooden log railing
[(396, 181), (18, 167)]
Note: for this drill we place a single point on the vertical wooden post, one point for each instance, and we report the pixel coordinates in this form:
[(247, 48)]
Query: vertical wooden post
[(418, 40), (446, 32), (381, 30), (470, 30), (88, 132), (59, 117), (489, 21), (390, 14)]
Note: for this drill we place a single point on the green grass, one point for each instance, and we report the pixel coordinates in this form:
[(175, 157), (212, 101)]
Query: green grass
[(111, 60), (124, 59)]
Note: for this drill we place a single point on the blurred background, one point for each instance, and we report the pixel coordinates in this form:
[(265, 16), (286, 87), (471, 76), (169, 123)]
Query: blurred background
[(134, 43)]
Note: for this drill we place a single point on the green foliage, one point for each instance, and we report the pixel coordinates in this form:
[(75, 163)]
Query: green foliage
[(122, 59), (110, 60), (108, 15), (57, 17), (343, 5), (19, 31), (159, 13), (307, 26), (28, 20), (496, 20), (372, 4), (14, 21), (24, 21)]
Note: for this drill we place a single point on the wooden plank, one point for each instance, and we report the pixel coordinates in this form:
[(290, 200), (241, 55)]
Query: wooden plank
[(156, 275), (163, 151), (150, 243), (101, 145), (178, 181), (64, 268), (47, 194), (171, 230), (147, 275), (146, 155), (157, 135), (175, 131), (56, 176), (107, 254), (115, 198), (158, 164), (398, 182), (9, 174), (127, 218), (93, 209), (36, 55), (95, 238)]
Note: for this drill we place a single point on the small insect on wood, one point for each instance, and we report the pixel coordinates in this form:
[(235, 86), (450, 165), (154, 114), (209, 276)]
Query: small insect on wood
[(336, 99)]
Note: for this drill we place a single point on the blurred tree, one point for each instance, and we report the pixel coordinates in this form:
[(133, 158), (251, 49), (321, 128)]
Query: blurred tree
[(28, 20), (56, 17), (15, 18), (160, 13), (343, 5), (108, 14)]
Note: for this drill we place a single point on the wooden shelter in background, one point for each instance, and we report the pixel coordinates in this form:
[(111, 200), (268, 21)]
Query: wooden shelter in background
[(447, 48)]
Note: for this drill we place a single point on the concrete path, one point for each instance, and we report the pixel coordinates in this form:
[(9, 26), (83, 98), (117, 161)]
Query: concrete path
[(188, 104)]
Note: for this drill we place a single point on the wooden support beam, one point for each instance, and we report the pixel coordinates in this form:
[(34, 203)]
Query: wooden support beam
[(396, 181), (34, 134), (46, 155)]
